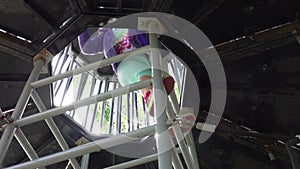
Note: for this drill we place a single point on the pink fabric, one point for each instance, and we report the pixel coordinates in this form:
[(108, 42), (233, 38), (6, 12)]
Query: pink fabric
[(146, 96), (123, 45)]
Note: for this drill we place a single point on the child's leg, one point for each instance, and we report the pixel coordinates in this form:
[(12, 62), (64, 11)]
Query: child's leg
[(133, 68), (138, 68)]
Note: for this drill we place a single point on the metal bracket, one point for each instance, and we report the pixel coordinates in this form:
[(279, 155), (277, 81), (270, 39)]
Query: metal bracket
[(143, 24), (182, 120), (185, 110), (81, 141), (206, 127), (45, 56), (6, 117)]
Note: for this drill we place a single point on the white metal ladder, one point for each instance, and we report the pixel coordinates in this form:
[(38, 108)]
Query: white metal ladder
[(166, 157)]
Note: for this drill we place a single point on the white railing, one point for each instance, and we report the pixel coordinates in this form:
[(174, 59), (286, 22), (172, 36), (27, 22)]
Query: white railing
[(101, 106)]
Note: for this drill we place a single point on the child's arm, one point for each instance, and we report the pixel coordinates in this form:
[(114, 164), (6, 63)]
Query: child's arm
[(90, 46)]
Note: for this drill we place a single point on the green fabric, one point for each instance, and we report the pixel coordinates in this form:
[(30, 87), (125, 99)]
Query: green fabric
[(132, 68)]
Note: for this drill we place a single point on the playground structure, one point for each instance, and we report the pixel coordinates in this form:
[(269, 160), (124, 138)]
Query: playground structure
[(167, 154), (258, 44)]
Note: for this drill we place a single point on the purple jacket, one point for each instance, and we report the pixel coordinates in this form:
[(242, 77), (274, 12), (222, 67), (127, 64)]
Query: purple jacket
[(103, 42)]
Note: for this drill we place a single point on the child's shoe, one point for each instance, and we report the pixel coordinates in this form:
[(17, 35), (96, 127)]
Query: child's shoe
[(168, 82), (186, 122)]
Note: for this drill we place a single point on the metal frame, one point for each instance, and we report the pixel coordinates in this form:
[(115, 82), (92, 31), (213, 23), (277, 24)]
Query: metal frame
[(166, 157), (163, 138)]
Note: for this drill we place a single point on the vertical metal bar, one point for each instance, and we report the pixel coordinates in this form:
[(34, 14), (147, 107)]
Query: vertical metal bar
[(25, 144), (180, 138), (91, 93), (82, 83), (136, 111), (175, 74), (106, 86), (19, 110), (190, 142), (186, 82), (174, 102), (182, 72), (163, 138), (65, 54), (52, 126), (132, 111), (119, 114), (69, 81), (72, 112), (182, 86), (58, 60), (85, 161), (178, 72), (176, 162), (111, 119), (61, 82), (128, 113), (96, 107)]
